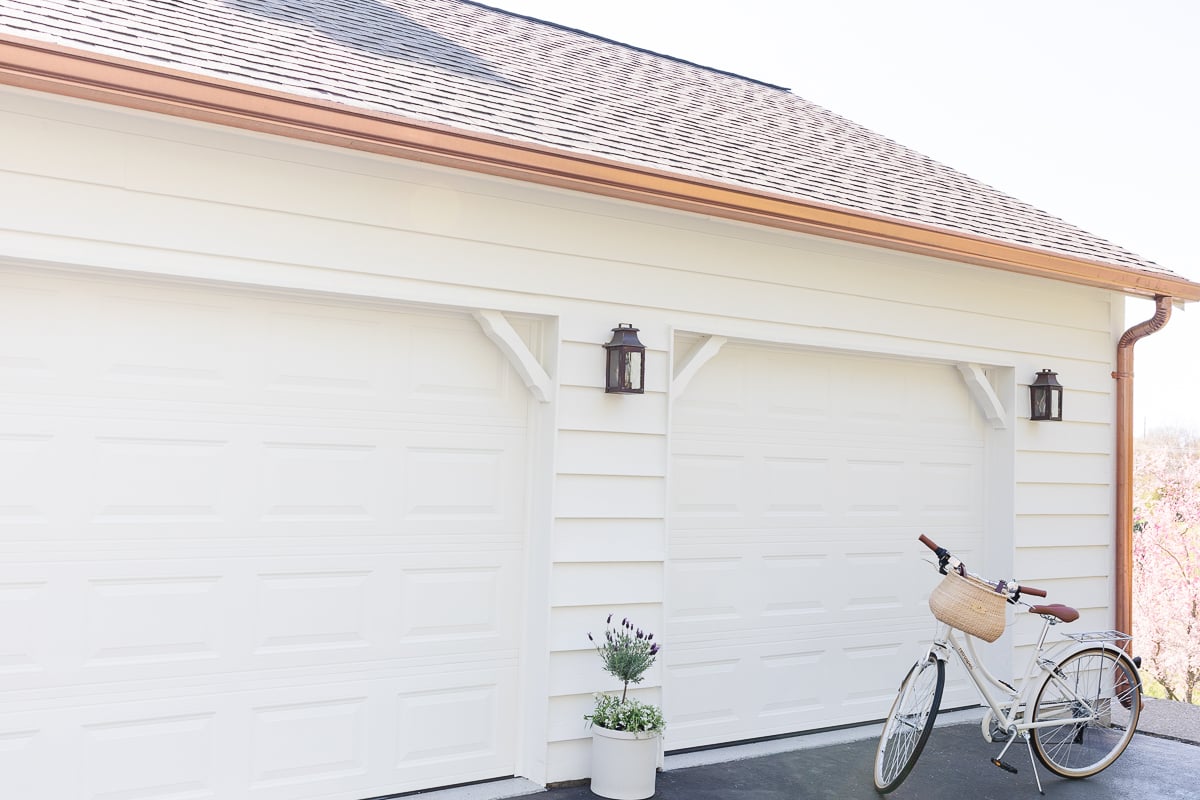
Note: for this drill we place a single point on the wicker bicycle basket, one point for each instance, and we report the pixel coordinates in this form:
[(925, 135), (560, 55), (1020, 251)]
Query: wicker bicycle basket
[(970, 605)]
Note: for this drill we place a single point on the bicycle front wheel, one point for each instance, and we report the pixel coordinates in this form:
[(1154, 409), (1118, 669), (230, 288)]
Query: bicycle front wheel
[(1094, 699), (909, 723)]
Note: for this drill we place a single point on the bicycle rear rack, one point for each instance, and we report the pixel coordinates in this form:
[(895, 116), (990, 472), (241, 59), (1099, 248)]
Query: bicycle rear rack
[(1098, 636)]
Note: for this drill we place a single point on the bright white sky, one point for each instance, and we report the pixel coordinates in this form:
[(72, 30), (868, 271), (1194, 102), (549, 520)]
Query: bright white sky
[(1085, 108)]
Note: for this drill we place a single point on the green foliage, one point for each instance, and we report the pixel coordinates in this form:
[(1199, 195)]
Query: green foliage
[(1152, 688), (626, 715)]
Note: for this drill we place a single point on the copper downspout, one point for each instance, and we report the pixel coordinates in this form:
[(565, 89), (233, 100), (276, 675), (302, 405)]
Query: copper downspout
[(1124, 534)]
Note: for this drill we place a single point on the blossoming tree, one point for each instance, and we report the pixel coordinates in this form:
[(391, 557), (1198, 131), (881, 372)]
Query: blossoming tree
[(1166, 562)]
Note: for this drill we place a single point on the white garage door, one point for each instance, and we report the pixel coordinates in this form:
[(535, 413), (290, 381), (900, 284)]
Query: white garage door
[(253, 546), (800, 482)]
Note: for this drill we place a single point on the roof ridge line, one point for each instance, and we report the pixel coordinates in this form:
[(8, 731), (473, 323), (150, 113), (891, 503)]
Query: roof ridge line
[(628, 46)]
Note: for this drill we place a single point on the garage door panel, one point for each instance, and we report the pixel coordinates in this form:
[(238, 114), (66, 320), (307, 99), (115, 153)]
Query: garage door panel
[(321, 477), (157, 756), (749, 388), (948, 491), (320, 739), (796, 487), (117, 478), (458, 605), (182, 344), (805, 683), (25, 750), (699, 689), (703, 590), (66, 476), (762, 585), (455, 725), (711, 485), (349, 738), (138, 623), (30, 464), (26, 642), (158, 619), (749, 483), (462, 477), (795, 502), (787, 686), (255, 545)]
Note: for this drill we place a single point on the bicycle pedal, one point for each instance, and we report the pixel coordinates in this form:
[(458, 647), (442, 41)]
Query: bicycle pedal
[(1004, 766)]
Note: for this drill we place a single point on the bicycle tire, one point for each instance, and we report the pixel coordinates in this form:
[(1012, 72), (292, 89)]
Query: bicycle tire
[(908, 724), (1097, 695)]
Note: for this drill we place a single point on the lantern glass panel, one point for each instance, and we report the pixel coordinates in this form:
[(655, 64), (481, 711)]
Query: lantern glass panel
[(614, 370), (1041, 404), (633, 371)]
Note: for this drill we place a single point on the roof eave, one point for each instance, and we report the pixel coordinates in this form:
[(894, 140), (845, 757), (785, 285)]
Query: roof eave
[(70, 72)]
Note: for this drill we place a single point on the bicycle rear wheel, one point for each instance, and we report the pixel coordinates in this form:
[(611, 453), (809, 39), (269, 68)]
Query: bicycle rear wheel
[(1095, 697), (909, 723)]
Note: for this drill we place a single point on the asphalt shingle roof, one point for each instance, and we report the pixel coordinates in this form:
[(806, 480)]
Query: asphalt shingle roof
[(474, 67)]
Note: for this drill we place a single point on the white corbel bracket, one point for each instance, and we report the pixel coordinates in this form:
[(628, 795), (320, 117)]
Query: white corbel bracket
[(984, 395), (689, 366), (501, 332)]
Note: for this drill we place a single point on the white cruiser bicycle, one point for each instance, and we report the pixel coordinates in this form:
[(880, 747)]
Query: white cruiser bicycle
[(1076, 707)]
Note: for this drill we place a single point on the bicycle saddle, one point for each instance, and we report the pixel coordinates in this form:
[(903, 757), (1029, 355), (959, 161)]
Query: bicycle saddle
[(1065, 613)]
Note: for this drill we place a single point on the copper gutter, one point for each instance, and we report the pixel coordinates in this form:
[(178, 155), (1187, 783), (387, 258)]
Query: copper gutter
[(1124, 533), (54, 69)]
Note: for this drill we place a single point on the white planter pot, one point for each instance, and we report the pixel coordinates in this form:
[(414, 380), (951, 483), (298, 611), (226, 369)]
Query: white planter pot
[(624, 764)]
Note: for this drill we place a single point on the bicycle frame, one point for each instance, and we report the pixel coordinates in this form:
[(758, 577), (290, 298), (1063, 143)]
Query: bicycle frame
[(1016, 697)]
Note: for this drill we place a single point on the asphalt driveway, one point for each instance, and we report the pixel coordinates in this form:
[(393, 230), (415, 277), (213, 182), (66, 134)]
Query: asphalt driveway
[(1161, 763), (954, 766)]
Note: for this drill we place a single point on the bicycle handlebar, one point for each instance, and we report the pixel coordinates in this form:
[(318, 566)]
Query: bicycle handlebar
[(930, 543), (946, 559)]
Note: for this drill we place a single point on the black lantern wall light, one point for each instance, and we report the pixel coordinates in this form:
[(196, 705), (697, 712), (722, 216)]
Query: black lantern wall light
[(625, 362), (1045, 397)]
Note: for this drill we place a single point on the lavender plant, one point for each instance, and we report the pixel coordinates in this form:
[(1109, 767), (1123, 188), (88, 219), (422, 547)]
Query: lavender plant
[(626, 652)]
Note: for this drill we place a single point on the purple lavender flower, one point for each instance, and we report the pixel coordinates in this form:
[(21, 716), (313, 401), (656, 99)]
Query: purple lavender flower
[(626, 652)]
